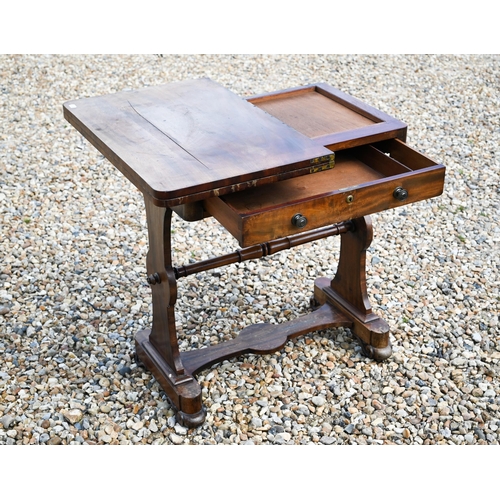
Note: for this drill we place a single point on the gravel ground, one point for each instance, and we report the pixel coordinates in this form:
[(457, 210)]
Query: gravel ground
[(72, 271)]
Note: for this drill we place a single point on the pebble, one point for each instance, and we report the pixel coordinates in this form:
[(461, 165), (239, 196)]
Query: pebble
[(6, 421), (176, 439), (318, 400), (73, 257), (73, 416), (327, 440)]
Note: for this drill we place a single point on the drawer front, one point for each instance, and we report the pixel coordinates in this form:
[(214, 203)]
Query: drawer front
[(370, 183)]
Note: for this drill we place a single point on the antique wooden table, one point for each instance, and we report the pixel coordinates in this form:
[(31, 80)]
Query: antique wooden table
[(276, 170)]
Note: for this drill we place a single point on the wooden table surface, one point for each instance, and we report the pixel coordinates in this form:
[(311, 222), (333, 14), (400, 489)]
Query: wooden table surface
[(186, 141)]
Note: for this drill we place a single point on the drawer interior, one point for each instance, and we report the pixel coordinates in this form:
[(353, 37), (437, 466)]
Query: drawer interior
[(354, 168)]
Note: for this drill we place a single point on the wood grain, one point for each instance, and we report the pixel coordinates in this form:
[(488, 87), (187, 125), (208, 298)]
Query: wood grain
[(366, 176), (330, 117), (314, 114), (184, 138)]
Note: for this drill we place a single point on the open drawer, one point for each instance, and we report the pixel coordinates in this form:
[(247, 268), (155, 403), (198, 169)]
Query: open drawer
[(365, 180)]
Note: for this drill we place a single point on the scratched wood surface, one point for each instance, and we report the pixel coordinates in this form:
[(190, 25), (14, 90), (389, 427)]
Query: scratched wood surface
[(178, 140)]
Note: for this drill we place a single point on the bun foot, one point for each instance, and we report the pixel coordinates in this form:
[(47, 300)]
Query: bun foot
[(376, 353), (191, 420)]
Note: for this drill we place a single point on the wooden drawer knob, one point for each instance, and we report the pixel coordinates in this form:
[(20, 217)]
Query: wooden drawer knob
[(298, 220), (400, 194)]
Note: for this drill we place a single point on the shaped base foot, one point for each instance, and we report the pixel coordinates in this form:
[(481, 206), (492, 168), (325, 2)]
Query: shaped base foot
[(371, 330), (183, 390)]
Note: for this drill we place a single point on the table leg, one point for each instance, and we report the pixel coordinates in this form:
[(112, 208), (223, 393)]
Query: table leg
[(158, 348), (347, 291)]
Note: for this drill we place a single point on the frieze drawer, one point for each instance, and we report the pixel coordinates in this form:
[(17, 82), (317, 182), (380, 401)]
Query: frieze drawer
[(365, 180)]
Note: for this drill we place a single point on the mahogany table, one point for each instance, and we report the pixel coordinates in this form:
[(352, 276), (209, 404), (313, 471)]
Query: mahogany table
[(277, 171)]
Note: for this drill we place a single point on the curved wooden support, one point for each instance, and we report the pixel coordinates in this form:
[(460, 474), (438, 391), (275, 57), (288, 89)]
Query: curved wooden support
[(264, 338), (348, 293), (350, 279), (163, 285)]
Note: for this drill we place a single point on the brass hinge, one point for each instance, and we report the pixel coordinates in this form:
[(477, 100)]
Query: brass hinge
[(322, 163)]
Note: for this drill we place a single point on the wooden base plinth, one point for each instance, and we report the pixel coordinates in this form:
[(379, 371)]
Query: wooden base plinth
[(371, 330), (183, 390)]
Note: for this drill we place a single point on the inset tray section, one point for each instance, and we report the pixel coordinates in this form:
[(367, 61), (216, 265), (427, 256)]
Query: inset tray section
[(330, 117), (365, 180), (314, 114)]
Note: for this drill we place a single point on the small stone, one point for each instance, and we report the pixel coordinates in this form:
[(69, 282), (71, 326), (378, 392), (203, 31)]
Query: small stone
[(479, 433), (326, 428), (6, 421), (181, 430), (176, 439), (281, 438), (406, 433), (137, 426), (124, 370), (44, 437), (4, 310), (459, 361), (303, 410), (327, 440), (54, 440), (277, 429), (104, 382), (73, 416), (318, 400), (446, 433), (256, 422)]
